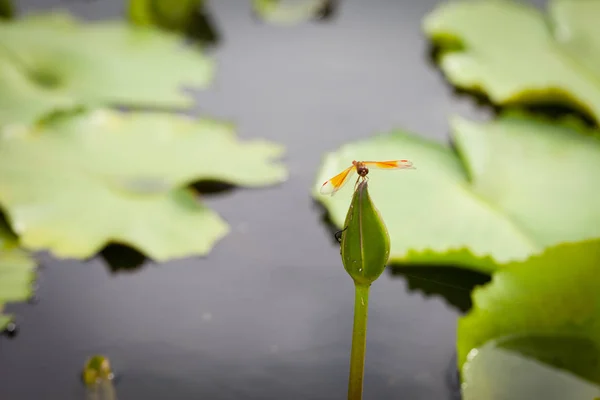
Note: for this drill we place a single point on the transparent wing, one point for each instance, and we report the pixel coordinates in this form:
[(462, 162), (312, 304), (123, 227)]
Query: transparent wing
[(336, 183), (394, 164)]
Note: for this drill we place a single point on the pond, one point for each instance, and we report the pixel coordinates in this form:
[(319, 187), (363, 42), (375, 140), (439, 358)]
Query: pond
[(268, 313)]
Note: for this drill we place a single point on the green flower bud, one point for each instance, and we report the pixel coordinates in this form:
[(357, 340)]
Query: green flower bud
[(365, 244)]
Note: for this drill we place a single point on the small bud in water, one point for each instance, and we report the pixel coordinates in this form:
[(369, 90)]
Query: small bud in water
[(97, 369), (11, 329)]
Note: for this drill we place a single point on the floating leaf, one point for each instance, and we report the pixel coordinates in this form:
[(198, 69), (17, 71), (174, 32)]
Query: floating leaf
[(285, 13), (495, 372), (189, 17), (53, 62), (518, 186), (6, 9), (537, 60), (546, 308), (169, 14), (76, 183), (17, 273), (98, 378)]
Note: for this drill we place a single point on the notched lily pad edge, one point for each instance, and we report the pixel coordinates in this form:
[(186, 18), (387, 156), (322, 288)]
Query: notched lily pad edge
[(225, 229), (191, 187), (24, 259), (463, 359), (459, 257), (445, 43)]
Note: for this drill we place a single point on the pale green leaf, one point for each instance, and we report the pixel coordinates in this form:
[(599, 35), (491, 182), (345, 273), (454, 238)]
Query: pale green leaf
[(546, 308), (519, 185), (17, 273), (514, 53), (54, 62), (494, 372), (76, 183)]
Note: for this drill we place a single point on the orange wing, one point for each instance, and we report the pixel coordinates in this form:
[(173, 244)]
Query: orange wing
[(336, 183), (395, 164)]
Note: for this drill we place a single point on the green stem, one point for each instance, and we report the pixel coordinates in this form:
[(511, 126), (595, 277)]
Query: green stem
[(359, 341)]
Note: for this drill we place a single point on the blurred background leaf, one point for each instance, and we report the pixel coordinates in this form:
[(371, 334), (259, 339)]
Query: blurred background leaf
[(496, 372), (284, 12), (488, 202), (546, 308), (452, 283), (53, 61), (540, 59), (17, 272), (103, 177), (6, 9), (190, 17)]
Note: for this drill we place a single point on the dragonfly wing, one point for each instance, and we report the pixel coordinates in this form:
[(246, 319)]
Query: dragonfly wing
[(336, 183), (394, 164)]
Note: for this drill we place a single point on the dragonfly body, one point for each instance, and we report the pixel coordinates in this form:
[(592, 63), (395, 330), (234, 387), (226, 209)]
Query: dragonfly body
[(362, 169)]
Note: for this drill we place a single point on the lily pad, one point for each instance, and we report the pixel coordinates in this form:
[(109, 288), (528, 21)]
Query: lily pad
[(78, 182), (540, 59), (546, 308), (175, 16), (54, 62), (516, 186), (17, 273), (6, 9), (495, 372), (283, 12)]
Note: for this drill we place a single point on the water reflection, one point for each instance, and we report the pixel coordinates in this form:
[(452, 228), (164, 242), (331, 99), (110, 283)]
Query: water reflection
[(326, 222), (452, 283), (210, 187), (122, 258)]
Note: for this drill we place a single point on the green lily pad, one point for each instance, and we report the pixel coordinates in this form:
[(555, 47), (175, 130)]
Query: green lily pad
[(78, 182), (495, 372), (546, 308), (54, 62), (6, 9), (172, 15), (281, 12), (17, 273), (540, 59), (516, 186)]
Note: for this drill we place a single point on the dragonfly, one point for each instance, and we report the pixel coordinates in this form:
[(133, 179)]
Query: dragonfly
[(334, 184)]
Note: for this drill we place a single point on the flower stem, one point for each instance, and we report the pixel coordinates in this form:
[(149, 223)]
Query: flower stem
[(359, 341)]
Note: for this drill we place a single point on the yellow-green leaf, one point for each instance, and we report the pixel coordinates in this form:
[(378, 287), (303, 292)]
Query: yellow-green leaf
[(516, 186), (288, 13), (514, 53), (17, 273), (54, 62), (76, 183), (545, 309), (6, 9)]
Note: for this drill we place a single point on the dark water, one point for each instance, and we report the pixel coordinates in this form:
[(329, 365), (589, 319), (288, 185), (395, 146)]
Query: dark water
[(268, 314)]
